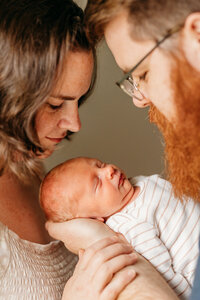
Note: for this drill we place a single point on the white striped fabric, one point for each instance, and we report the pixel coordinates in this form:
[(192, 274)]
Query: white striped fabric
[(163, 229)]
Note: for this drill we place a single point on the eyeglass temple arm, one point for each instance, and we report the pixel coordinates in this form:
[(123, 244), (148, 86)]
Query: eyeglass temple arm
[(170, 32)]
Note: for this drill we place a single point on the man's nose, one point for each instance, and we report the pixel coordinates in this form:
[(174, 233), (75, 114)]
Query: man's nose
[(69, 118), (141, 103), (140, 100)]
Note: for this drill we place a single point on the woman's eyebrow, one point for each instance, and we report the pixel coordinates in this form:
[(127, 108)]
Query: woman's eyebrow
[(62, 97)]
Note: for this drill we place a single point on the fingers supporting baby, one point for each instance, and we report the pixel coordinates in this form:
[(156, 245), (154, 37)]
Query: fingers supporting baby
[(99, 269), (109, 253), (106, 265), (119, 281)]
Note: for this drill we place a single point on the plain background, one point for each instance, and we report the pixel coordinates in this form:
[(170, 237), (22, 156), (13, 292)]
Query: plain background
[(113, 129)]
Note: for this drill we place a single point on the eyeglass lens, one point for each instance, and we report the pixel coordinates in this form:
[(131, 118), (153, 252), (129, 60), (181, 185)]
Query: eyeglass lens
[(130, 88)]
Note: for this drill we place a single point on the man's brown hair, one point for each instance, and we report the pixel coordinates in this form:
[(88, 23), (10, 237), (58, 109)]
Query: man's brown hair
[(149, 19)]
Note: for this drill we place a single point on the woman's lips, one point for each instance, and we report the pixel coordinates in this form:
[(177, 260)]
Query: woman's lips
[(55, 140)]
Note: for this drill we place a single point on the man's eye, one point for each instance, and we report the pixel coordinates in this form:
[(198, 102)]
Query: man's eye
[(143, 76)]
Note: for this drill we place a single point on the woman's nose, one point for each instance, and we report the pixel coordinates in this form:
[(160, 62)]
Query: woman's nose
[(69, 118)]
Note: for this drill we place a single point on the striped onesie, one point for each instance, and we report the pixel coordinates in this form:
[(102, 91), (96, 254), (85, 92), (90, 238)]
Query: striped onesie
[(162, 229)]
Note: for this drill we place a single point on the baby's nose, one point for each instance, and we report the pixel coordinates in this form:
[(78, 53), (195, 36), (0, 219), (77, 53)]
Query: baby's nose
[(110, 171)]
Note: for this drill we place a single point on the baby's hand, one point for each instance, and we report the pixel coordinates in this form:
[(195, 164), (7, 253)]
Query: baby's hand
[(80, 233)]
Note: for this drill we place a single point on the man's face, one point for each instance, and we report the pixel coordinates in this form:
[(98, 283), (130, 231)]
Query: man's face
[(100, 189), (171, 88), (153, 75)]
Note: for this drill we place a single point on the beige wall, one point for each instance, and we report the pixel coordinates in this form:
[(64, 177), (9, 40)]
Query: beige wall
[(113, 130)]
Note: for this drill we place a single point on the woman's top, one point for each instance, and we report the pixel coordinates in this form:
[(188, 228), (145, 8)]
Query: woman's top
[(32, 271)]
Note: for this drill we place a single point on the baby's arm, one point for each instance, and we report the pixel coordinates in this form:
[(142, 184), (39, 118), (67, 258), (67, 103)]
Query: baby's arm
[(81, 233)]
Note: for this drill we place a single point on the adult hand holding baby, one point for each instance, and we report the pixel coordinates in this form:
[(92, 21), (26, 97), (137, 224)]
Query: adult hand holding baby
[(98, 273)]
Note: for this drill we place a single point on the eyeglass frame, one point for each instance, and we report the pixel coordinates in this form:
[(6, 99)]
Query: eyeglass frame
[(129, 74)]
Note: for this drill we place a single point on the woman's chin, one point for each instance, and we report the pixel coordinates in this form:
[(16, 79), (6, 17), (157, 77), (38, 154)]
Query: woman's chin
[(46, 153)]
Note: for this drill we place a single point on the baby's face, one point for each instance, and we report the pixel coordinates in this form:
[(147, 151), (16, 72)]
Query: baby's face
[(102, 189)]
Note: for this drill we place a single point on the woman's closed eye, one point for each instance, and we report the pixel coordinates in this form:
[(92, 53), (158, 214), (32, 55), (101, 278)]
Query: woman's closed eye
[(54, 107)]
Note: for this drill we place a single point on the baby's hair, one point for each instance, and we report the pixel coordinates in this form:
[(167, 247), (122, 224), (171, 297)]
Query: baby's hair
[(57, 204)]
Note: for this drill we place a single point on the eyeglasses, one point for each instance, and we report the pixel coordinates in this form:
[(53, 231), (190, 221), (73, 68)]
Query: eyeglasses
[(127, 84)]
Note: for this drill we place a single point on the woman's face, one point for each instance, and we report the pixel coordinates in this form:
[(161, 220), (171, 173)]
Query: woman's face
[(60, 112)]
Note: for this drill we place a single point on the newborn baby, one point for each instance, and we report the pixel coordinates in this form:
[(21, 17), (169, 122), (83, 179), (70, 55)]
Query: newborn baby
[(160, 227)]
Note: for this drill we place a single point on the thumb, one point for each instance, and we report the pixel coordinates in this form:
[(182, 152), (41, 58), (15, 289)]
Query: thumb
[(47, 225), (56, 230), (80, 253)]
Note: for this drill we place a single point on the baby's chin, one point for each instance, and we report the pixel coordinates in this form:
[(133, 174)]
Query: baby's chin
[(127, 185), (129, 195)]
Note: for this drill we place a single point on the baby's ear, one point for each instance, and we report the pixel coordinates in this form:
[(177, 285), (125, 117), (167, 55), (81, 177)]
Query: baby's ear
[(100, 219)]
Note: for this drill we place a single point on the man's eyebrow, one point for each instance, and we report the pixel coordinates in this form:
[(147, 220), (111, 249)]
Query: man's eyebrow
[(62, 97)]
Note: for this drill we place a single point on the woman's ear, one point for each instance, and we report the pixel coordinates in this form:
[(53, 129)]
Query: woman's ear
[(191, 40)]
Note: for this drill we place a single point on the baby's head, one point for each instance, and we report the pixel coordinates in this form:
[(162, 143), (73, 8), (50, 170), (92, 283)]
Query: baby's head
[(84, 188)]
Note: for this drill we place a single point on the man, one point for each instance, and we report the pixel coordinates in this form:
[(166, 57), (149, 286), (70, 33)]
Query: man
[(157, 45)]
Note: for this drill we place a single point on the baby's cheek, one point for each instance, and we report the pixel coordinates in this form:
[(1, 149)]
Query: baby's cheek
[(127, 184)]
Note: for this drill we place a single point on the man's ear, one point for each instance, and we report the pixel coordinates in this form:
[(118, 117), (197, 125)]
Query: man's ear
[(191, 40)]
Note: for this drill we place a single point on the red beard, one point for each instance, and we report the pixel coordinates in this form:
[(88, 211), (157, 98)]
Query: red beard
[(182, 142)]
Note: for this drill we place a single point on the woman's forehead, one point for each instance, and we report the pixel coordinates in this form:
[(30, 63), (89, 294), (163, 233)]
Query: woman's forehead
[(75, 78)]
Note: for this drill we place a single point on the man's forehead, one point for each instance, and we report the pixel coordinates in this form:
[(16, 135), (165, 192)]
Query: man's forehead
[(126, 51)]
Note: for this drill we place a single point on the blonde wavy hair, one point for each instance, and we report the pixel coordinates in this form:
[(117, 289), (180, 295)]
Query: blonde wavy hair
[(34, 39)]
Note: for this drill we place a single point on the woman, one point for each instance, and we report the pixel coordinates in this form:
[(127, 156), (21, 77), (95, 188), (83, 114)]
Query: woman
[(46, 70)]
